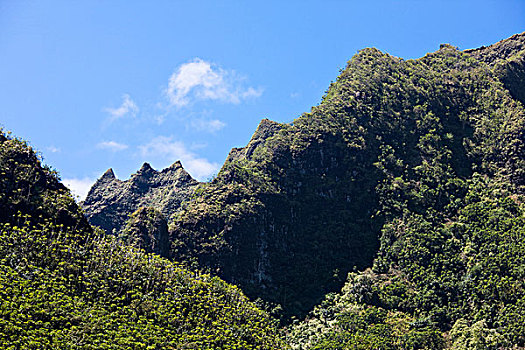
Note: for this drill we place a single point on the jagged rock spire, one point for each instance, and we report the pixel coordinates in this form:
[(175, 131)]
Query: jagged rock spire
[(110, 201), (146, 168), (108, 175), (175, 165)]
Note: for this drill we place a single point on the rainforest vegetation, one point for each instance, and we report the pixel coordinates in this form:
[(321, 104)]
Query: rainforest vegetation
[(65, 285), (391, 216)]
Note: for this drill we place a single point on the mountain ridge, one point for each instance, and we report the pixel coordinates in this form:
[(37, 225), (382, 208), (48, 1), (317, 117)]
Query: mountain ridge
[(67, 285), (165, 190), (393, 209)]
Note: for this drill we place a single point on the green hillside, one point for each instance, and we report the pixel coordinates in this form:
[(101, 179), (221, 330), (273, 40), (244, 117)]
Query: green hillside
[(66, 286), (459, 284), (301, 205), (450, 269), (391, 216)]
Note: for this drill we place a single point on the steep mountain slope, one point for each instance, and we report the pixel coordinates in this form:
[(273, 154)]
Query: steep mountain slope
[(148, 229), (64, 285), (110, 201), (28, 187), (452, 278), (273, 213), (508, 61), (458, 284), (414, 168), (300, 206)]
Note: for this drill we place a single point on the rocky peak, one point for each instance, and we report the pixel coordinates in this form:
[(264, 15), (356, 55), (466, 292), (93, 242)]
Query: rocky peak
[(145, 173), (110, 201), (146, 169), (108, 175), (106, 178), (266, 129), (175, 166)]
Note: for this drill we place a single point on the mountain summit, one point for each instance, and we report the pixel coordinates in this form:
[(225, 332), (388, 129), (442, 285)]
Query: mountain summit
[(402, 191), (110, 201)]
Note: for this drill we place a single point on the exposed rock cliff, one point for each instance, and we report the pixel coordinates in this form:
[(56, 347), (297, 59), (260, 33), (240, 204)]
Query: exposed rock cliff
[(413, 168), (110, 201), (304, 204), (64, 285)]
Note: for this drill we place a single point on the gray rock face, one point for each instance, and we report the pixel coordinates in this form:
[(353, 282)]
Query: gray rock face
[(111, 201)]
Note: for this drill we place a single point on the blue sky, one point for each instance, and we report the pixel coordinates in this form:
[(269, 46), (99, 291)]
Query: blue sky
[(100, 84)]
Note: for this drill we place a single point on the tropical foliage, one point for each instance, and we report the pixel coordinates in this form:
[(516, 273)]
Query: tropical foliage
[(70, 287), (393, 140), (391, 216)]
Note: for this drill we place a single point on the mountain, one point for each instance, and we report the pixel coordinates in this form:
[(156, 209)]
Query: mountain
[(507, 59), (148, 229), (30, 188), (449, 272), (393, 209), (66, 285), (110, 201), (303, 204)]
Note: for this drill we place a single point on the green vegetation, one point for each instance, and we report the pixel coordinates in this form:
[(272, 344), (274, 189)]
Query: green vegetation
[(69, 287), (302, 205), (148, 229), (450, 271), (56, 293), (459, 284), (391, 216), (28, 187)]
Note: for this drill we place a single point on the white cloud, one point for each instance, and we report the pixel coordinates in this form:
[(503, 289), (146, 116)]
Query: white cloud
[(201, 80), (128, 107), (53, 149), (167, 151), (112, 146), (208, 125), (79, 187)]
